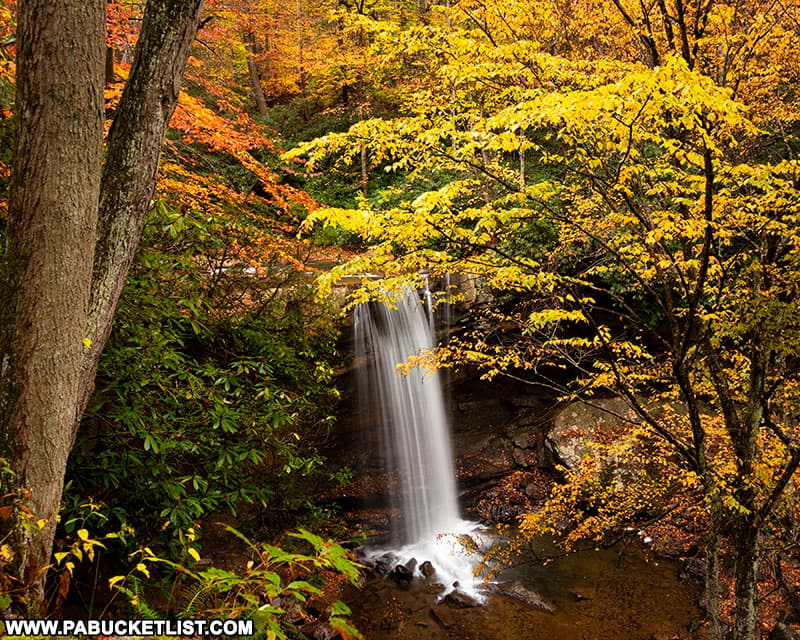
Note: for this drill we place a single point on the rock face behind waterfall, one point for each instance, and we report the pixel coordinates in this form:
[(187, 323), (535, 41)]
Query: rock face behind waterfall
[(502, 464)]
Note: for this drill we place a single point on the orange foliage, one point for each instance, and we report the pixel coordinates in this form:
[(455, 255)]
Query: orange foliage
[(123, 19), (209, 128)]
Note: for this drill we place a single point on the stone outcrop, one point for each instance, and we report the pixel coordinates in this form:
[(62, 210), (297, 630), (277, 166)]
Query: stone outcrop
[(577, 425)]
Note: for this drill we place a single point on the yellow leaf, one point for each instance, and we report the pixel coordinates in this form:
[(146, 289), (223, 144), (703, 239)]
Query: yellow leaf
[(142, 567), (87, 342), (83, 534), (115, 580), (193, 552)]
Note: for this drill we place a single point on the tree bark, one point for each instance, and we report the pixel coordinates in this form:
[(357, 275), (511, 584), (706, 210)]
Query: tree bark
[(713, 541), (74, 225), (48, 256), (255, 74), (110, 72), (130, 170), (745, 538), (745, 542)]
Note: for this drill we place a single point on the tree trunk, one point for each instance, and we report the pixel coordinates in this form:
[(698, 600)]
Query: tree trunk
[(132, 154), (747, 528), (49, 252), (109, 72), (73, 229), (255, 74), (745, 541), (713, 540)]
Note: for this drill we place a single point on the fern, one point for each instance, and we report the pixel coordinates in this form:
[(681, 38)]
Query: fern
[(198, 598), (137, 600)]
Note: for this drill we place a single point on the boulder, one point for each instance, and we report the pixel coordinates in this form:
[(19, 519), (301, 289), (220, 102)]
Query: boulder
[(518, 591), (461, 600), (427, 569), (579, 424), (401, 574)]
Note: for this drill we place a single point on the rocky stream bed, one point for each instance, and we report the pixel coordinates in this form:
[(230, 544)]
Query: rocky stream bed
[(504, 468)]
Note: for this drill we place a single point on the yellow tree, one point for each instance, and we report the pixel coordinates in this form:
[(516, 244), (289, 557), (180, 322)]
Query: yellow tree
[(642, 191)]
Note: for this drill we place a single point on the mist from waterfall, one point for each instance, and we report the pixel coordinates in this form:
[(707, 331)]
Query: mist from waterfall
[(415, 433)]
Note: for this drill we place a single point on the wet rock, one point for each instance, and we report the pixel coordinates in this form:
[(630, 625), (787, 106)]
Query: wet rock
[(381, 565), (401, 574), (434, 588), (518, 591), (427, 569), (411, 564), (579, 597), (442, 616), (460, 600), (783, 631)]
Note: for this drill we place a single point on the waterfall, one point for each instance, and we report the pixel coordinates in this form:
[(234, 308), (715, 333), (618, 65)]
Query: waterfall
[(415, 433)]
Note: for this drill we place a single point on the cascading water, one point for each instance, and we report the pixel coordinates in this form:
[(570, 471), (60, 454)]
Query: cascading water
[(416, 433)]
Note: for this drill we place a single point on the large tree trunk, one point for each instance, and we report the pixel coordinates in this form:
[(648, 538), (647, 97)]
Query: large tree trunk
[(49, 253), (72, 233)]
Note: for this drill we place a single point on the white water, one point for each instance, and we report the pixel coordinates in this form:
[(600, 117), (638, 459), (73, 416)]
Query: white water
[(416, 433)]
